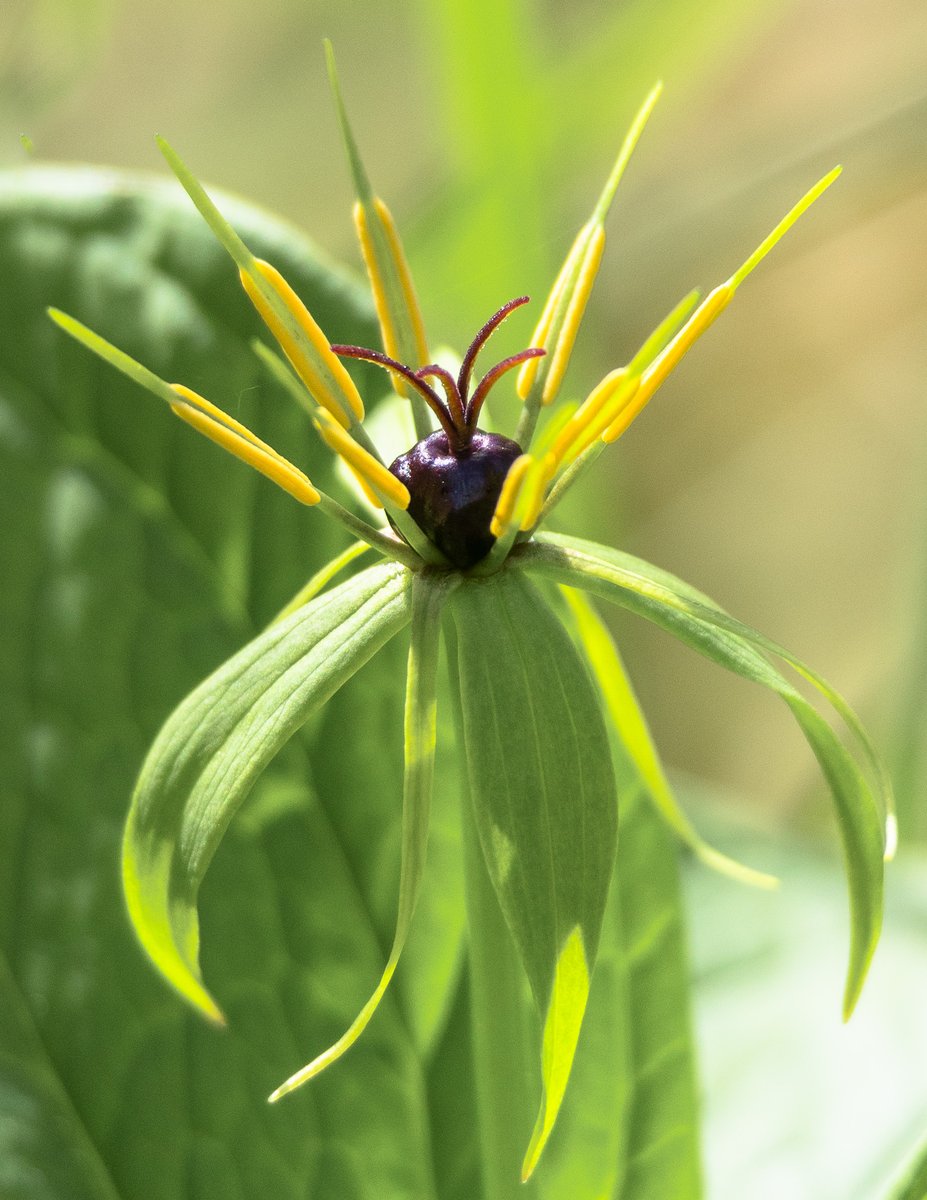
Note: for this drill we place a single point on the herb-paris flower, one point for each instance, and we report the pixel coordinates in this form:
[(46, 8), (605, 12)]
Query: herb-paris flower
[(463, 550)]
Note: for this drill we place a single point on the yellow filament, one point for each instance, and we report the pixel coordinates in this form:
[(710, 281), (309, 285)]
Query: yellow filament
[(311, 369), (529, 370), (588, 269), (706, 313), (503, 517), (240, 441), (362, 462)]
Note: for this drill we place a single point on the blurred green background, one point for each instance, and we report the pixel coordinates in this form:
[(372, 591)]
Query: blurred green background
[(781, 471)]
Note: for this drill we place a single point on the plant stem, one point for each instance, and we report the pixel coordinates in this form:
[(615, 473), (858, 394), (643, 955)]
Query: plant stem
[(500, 1007)]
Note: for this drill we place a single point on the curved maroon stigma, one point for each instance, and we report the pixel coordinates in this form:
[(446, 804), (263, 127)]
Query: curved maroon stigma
[(458, 412)]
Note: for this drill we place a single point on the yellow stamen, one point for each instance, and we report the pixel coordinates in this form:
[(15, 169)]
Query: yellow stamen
[(588, 269), (361, 461), (578, 430), (240, 441), (706, 313), (404, 275), (503, 517), (528, 372), (322, 372)]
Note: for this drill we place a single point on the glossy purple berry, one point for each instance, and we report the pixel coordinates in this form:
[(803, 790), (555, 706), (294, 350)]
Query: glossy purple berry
[(455, 475), (454, 492)]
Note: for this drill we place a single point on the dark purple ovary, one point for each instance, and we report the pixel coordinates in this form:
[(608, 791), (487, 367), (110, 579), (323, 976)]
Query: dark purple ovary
[(454, 492)]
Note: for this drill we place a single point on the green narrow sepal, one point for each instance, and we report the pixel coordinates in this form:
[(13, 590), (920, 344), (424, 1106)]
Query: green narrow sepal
[(631, 727), (697, 621), (214, 746), (544, 802)]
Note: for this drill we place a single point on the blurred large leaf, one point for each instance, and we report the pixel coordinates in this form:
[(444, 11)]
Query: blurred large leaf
[(135, 557), (797, 1104)]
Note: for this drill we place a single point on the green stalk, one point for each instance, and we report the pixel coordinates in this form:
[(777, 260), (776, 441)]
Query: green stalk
[(500, 1007)]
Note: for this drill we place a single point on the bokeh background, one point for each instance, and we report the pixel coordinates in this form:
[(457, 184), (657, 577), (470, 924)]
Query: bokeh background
[(782, 470)]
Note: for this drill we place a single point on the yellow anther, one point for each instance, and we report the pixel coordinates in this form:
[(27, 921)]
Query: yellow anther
[(504, 516), (528, 373), (317, 365), (588, 269), (405, 279), (534, 489), (706, 313), (369, 494), (391, 339), (362, 462), (228, 433)]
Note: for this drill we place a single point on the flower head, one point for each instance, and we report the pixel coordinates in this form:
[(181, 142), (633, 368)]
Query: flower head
[(462, 537)]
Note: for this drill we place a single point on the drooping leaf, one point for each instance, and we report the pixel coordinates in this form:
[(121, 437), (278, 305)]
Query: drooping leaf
[(543, 797), (215, 745), (705, 627)]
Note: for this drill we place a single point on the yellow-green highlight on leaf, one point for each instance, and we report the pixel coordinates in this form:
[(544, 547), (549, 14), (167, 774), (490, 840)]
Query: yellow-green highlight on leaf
[(562, 1023), (428, 597), (176, 954), (27, 144), (631, 726)]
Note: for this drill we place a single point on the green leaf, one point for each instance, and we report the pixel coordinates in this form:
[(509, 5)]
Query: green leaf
[(428, 598), (630, 1130), (657, 596), (211, 750), (135, 558), (543, 797)]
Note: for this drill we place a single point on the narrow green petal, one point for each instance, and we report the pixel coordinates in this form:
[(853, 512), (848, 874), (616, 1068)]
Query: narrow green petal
[(631, 726), (214, 746), (428, 597), (660, 598)]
